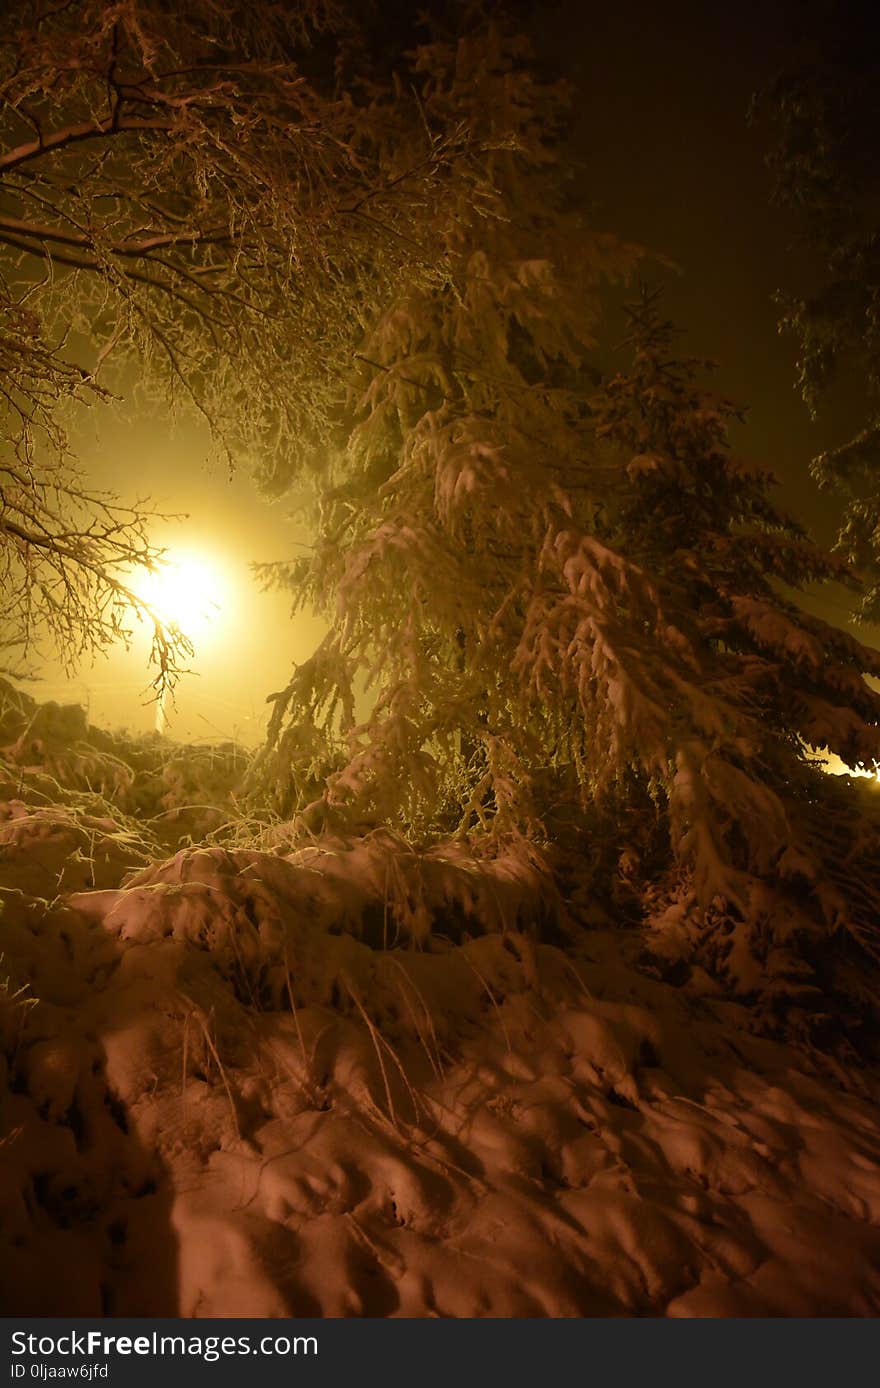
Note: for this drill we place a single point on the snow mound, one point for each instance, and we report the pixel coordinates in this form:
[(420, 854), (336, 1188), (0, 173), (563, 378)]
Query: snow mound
[(250, 1084), (349, 1078)]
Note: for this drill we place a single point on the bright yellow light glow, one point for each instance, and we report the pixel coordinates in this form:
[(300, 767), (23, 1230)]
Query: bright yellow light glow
[(835, 767), (186, 591)]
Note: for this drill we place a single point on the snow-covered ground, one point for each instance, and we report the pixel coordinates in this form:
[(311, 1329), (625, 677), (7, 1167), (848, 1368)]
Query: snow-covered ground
[(347, 1080)]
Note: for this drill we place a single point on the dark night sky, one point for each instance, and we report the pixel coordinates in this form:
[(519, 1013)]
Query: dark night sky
[(661, 126)]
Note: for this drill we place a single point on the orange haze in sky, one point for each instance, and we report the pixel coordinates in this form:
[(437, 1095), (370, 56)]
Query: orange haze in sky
[(247, 648)]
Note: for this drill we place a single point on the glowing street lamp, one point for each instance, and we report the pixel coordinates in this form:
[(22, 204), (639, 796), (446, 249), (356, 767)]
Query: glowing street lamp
[(184, 592)]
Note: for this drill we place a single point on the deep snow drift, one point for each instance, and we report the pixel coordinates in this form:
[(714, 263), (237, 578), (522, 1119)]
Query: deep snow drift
[(345, 1079)]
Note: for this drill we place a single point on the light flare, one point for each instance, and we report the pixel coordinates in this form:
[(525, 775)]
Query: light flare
[(185, 591)]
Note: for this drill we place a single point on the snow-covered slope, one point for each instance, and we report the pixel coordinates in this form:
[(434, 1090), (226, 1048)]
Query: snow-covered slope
[(348, 1081)]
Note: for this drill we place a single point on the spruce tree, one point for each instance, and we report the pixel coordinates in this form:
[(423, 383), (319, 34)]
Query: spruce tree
[(561, 610), (723, 684), (469, 416)]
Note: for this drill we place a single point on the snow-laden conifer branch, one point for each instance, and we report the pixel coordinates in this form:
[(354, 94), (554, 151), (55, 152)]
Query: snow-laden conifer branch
[(569, 602)]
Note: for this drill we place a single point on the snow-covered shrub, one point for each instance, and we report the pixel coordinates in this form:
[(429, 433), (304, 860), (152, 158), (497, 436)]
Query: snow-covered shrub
[(99, 804)]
